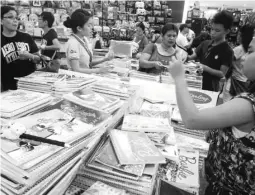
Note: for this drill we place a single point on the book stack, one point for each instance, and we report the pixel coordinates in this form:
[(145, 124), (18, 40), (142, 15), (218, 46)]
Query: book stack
[(202, 99), (193, 75), (140, 123), (39, 81), (30, 167), (179, 127), (55, 83), (113, 88), (94, 100), (167, 78), (70, 84), (145, 76), (184, 174), (19, 103), (194, 81), (126, 160)]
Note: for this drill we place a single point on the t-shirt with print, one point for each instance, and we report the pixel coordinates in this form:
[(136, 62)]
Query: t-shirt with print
[(75, 51), (47, 40), (11, 65), (213, 57)]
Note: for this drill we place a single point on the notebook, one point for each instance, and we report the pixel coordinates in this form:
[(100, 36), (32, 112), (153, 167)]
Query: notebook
[(107, 156), (135, 148)]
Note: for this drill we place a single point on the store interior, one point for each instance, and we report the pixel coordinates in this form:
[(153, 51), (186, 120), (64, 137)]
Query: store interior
[(127, 97)]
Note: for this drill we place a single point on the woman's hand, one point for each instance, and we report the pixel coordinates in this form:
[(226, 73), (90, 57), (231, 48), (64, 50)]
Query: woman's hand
[(41, 47), (103, 70), (109, 56), (176, 69), (158, 65), (138, 55)]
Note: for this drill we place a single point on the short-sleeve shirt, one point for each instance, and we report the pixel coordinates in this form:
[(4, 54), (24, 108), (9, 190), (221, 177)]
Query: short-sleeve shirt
[(152, 49), (182, 40), (213, 57), (47, 40), (238, 62), (11, 65), (75, 51)]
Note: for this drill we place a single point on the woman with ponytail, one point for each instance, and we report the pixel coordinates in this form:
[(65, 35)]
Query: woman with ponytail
[(230, 164), (79, 53)]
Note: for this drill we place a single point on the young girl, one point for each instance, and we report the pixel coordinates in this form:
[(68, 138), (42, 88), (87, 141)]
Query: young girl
[(230, 165)]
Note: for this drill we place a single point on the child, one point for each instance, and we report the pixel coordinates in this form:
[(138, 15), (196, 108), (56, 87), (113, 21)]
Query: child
[(215, 55)]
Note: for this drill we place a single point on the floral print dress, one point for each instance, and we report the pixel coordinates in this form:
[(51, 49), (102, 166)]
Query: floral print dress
[(230, 165)]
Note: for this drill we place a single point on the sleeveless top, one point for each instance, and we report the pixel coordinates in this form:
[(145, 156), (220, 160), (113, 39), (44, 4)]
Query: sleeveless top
[(230, 165), (152, 49)]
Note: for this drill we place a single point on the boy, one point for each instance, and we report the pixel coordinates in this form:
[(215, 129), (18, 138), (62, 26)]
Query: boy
[(215, 55), (50, 43)]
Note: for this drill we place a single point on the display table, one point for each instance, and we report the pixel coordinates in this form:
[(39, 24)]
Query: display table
[(146, 90)]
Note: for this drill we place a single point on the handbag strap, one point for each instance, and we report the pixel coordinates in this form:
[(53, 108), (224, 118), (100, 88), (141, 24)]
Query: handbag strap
[(85, 47)]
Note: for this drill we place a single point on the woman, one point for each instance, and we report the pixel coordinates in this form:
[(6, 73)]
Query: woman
[(230, 165), (156, 38), (78, 52), (19, 53), (236, 81), (140, 40), (157, 54)]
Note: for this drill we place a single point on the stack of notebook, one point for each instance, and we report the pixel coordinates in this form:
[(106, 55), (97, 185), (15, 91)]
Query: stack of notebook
[(145, 76), (179, 127), (145, 124), (55, 83), (194, 81), (95, 100), (70, 84), (167, 78), (30, 167), (184, 174), (19, 103), (114, 88), (125, 160), (39, 81), (202, 99)]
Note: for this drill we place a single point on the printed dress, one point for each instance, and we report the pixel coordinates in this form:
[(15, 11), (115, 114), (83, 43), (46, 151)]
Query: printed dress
[(230, 165)]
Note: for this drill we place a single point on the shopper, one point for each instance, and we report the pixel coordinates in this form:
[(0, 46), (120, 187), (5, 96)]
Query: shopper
[(78, 52), (50, 44), (191, 34), (19, 52), (230, 164), (215, 55), (236, 81), (140, 39), (155, 55), (156, 38), (182, 40)]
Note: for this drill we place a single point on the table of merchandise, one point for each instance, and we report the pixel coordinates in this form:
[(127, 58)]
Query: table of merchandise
[(146, 90)]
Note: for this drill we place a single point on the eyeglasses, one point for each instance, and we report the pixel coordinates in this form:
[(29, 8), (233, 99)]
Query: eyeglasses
[(12, 18)]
